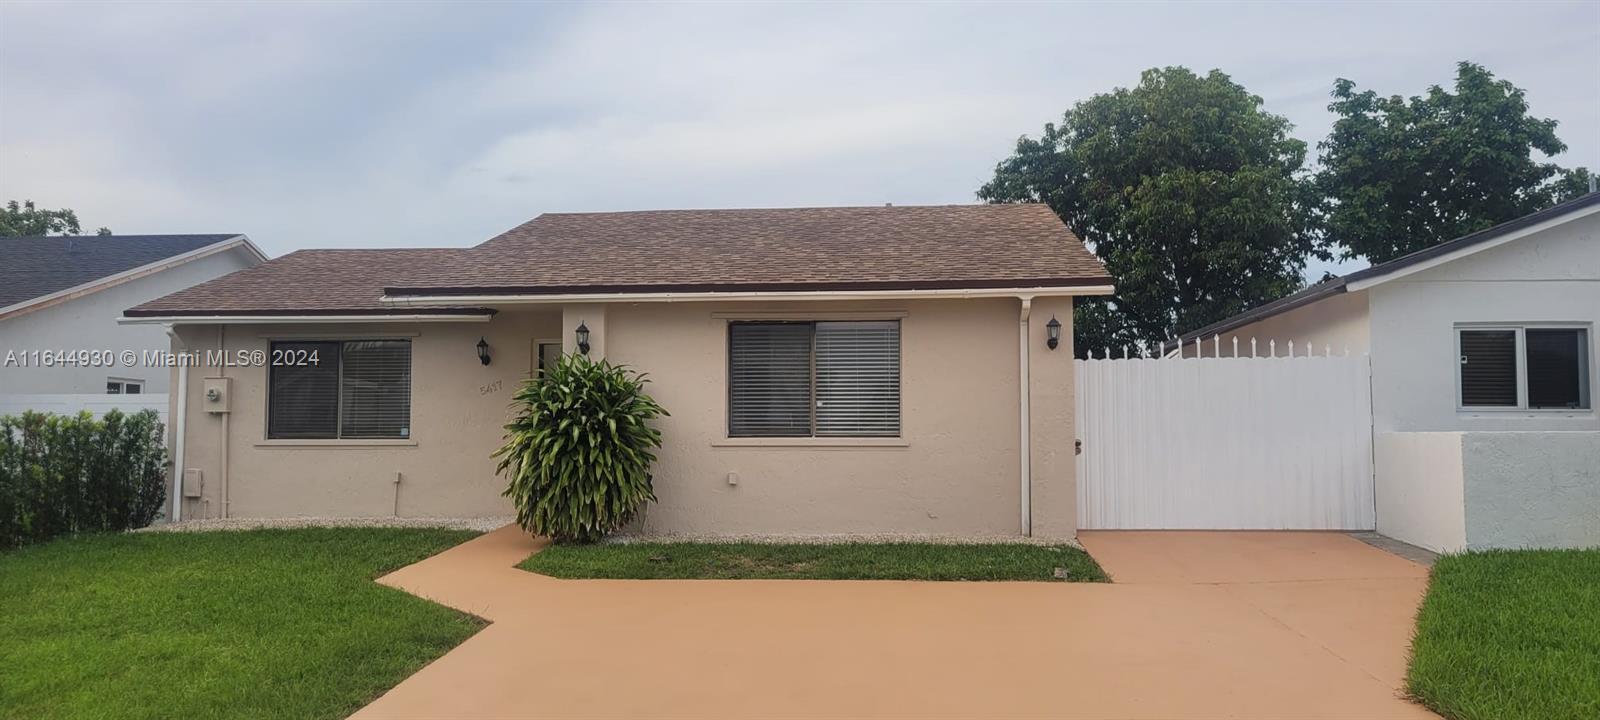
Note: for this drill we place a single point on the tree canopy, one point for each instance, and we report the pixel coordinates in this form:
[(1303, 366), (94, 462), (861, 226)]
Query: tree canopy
[(1402, 174), (24, 220), (1193, 195), (1198, 201)]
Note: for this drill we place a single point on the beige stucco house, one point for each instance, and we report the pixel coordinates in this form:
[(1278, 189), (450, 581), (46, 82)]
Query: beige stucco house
[(827, 370)]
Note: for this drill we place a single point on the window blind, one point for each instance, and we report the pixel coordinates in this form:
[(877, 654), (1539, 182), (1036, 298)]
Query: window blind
[(1488, 368), (303, 398), (375, 389), (355, 389), (858, 379), (1558, 367), (823, 379), (769, 379)]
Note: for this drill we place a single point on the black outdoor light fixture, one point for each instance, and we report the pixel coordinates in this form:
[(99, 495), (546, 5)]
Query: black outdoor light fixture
[(1052, 331), (583, 338), (483, 350)]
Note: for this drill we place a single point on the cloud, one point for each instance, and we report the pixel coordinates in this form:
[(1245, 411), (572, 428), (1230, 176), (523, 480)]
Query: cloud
[(440, 124)]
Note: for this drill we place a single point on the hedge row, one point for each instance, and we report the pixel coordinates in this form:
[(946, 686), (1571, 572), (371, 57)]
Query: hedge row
[(63, 474)]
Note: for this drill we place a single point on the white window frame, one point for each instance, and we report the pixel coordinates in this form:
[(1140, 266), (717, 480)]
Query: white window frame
[(122, 385), (726, 439), (1520, 332), (338, 438)]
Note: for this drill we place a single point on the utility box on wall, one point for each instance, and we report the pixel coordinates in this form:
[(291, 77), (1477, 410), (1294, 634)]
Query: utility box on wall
[(215, 391), (193, 482)]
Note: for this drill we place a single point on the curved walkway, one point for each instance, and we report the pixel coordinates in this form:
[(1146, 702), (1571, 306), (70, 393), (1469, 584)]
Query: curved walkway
[(1199, 625)]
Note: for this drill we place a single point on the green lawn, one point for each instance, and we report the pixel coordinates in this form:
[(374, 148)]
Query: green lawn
[(1510, 635), (258, 624), (844, 561)]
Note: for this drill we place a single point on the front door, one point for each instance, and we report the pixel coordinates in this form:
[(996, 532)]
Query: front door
[(546, 353)]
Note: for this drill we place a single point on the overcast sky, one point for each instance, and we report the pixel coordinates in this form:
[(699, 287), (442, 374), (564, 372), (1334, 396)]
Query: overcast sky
[(359, 125)]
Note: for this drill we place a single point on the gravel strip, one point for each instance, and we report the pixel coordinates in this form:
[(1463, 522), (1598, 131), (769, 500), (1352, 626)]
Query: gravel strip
[(484, 524), (487, 524)]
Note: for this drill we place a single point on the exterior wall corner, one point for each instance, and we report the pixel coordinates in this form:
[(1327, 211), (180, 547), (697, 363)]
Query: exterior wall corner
[(1053, 425)]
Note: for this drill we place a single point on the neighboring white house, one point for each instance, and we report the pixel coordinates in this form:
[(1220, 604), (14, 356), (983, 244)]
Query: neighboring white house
[(1483, 368), (63, 295)]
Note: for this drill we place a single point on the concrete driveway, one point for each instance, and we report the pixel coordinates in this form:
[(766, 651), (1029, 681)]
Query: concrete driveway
[(1198, 625)]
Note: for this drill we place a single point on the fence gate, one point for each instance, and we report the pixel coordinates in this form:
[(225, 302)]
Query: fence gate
[(1225, 443)]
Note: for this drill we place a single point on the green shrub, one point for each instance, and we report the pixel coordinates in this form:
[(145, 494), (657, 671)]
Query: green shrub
[(64, 474), (578, 454)]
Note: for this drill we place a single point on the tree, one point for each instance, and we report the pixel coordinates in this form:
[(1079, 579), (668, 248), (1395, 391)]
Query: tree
[(1192, 194), (1572, 184), (24, 220), (1401, 175)]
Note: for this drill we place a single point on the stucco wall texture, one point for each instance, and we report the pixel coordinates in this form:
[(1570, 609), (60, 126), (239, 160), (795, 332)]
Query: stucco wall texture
[(1418, 489), (954, 470), (457, 409), (1550, 277), (1532, 489)]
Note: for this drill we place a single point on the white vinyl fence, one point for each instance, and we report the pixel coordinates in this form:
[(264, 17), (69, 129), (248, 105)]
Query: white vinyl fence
[(1225, 443), (71, 404)]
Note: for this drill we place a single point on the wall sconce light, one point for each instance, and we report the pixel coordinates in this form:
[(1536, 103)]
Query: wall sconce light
[(1052, 331), (583, 338), (483, 351)]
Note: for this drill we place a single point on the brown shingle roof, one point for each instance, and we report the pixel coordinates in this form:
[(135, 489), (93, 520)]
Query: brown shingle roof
[(948, 246), (854, 248), (307, 282)]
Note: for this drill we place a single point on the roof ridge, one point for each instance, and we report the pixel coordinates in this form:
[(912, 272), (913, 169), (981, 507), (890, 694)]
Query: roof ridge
[(121, 236), (387, 249), (789, 208)]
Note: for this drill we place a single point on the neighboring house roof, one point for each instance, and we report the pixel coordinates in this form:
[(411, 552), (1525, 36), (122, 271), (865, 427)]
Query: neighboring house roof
[(840, 248), (306, 282), (1419, 260), (670, 251), (36, 270)]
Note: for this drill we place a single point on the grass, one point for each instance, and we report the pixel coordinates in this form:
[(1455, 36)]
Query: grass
[(843, 561), (1509, 635), (258, 624)]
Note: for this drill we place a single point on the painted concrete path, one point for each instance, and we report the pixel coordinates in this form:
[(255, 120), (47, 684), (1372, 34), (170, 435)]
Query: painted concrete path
[(1199, 625)]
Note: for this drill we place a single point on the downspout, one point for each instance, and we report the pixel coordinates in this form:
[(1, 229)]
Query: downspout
[(222, 371), (1025, 423), (179, 425)]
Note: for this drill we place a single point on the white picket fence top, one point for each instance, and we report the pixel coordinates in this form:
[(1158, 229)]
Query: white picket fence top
[(1256, 349)]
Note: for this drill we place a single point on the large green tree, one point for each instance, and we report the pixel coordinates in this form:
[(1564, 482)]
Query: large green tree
[(22, 219), (1192, 194), (1401, 174)]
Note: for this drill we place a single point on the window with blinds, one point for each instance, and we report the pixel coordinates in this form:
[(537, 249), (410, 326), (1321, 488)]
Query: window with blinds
[(1488, 368), (330, 390), (857, 379), (375, 389), (1532, 368), (814, 379)]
